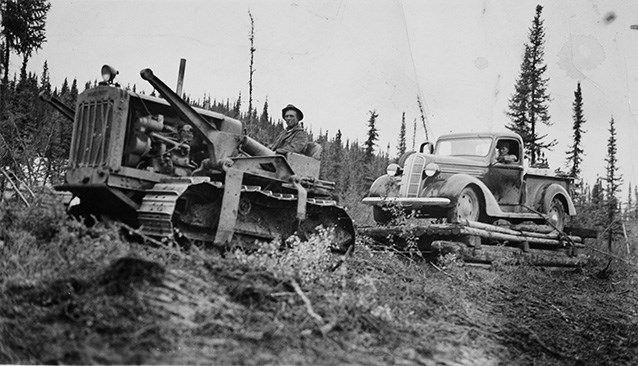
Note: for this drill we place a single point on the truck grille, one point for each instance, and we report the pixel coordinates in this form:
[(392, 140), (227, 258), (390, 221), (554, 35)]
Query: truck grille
[(412, 176), (91, 133)]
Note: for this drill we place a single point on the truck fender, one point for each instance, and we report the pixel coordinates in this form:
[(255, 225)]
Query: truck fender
[(453, 186), (554, 190), (385, 186)]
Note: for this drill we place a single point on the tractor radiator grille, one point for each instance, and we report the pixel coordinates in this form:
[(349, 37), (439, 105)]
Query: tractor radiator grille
[(412, 176), (91, 134)]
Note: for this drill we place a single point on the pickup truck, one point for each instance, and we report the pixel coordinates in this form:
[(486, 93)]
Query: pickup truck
[(463, 177)]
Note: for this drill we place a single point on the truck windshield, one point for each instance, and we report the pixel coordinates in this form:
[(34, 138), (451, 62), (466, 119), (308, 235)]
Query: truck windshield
[(470, 146)]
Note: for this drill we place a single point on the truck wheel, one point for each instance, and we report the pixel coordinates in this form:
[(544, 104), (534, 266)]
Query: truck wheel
[(467, 207), (381, 216), (556, 214)]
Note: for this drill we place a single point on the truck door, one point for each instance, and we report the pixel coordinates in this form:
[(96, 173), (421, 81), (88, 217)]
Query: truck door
[(505, 176)]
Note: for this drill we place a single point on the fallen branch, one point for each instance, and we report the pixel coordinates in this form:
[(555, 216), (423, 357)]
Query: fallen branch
[(624, 231), (15, 187), (26, 186), (612, 256), (307, 302), (561, 232), (324, 328), (342, 259), (152, 240), (445, 273), (562, 313)]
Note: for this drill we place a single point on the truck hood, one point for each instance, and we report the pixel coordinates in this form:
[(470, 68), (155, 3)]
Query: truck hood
[(460, 165), (412, 180)]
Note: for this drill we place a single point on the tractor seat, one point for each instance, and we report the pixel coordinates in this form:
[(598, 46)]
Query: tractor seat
[(313, 150)]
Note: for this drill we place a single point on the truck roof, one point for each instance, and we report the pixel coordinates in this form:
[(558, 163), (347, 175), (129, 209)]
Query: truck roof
[(508, 134)]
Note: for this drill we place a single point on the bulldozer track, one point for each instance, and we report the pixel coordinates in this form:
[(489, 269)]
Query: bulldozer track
[(157, 213)]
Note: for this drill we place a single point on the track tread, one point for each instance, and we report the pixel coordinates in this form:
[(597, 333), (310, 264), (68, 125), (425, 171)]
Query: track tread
[(155, 214)]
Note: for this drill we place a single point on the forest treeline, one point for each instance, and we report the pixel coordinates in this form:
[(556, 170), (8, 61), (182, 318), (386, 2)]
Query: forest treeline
[(35, 138)]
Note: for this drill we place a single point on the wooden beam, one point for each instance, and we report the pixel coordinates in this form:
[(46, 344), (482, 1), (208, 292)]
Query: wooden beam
[(500, 236), (553, 234), (490, 254), (482, 230)]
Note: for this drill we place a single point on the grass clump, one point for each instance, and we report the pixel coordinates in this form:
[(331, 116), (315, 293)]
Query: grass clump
[(42, 241), (302, 260)]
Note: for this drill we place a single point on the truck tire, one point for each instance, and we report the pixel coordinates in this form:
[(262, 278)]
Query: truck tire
[(467, 206), (381, 216), (556, 214)]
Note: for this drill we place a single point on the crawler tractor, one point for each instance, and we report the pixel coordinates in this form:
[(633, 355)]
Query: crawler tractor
[(173, 170)]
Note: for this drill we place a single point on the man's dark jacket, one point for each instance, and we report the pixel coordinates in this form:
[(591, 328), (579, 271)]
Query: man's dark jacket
[(291, 140)]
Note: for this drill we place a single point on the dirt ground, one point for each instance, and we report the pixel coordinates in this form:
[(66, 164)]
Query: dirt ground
[(87, 296)]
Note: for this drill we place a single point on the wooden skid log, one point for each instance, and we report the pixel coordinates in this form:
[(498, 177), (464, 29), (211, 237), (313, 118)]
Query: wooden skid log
[(416, 230), (451, 230), (553, 234), (490, 254), (533, 228), (498, 236)]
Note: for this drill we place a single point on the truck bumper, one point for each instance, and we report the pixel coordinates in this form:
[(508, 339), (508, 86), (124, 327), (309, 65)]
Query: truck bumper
[(412, 202)]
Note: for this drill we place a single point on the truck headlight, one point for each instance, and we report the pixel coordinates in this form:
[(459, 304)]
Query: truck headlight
[(432, 169), (393, 170)]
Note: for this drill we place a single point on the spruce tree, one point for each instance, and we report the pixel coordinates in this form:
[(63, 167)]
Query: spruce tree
[(251, 38), (373, 136), (401, 147), (613, 181), (591, 211), (414, 135), (45, 80), (423, 119), (22, 30), (597, 193), (335, 155), (630, 204), (264, 119), (529, 105), (263, 130), (518, 104), (74, 92), (236, 112), (575, 152), (335, 170)]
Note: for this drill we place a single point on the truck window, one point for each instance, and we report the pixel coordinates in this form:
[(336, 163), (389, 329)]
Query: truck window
[(507, 151), (471, 146)]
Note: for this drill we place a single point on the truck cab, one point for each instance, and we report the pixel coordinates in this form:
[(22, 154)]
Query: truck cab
[(471, 176)]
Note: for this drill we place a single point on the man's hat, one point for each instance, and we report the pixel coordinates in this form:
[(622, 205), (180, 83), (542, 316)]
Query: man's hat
[(292, 107)]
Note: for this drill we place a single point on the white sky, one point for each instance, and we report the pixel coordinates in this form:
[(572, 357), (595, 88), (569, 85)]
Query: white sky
[(337, 60)]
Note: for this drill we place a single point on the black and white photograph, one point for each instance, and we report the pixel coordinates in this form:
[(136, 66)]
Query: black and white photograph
[(319, 182)]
